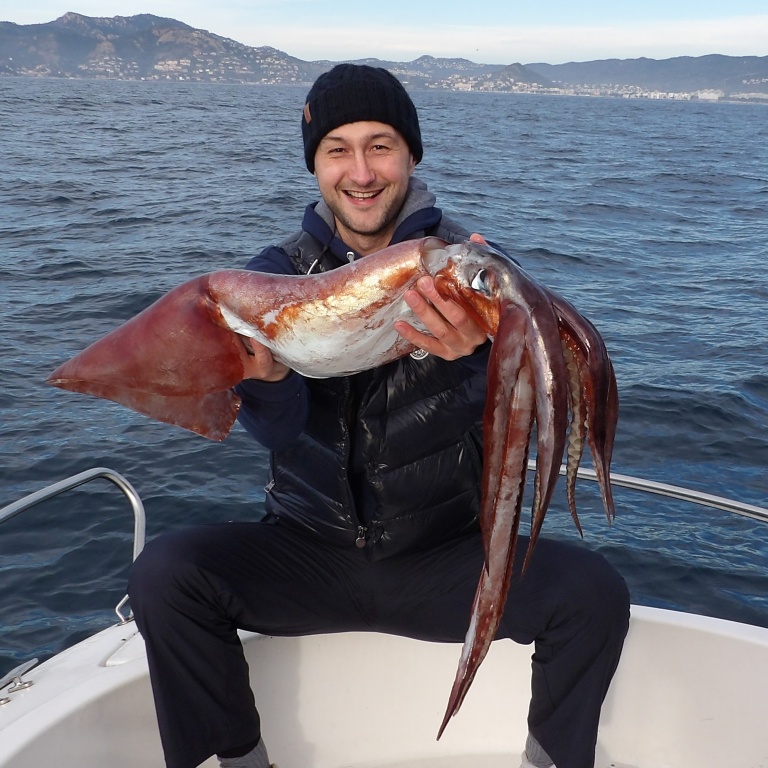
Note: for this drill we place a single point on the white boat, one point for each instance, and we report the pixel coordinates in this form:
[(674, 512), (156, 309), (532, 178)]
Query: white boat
[(690, 692)]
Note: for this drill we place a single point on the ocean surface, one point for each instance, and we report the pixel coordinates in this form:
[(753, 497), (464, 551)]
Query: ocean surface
[(650, 216)]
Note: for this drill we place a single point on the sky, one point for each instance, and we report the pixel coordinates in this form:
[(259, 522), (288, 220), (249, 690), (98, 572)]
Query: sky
[(484, 31)]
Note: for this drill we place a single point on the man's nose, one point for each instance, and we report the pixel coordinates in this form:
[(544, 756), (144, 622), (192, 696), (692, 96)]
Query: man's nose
[(362, 173)]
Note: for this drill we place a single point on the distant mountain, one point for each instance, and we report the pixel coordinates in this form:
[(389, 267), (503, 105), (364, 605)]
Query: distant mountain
[(152, 47), (730, 74), (517, 74), (430, 69), (155, 48), (140, 47)]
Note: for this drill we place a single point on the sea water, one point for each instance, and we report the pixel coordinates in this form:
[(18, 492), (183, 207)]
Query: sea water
[(650, 216)]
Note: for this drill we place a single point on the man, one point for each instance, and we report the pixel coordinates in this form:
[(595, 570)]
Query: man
[(372, 504)]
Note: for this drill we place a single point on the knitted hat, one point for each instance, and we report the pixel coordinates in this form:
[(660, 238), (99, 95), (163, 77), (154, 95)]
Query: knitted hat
[(350, 93)]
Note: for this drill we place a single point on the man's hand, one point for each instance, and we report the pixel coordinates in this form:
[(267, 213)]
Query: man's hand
[(452, 332), (259, 363)]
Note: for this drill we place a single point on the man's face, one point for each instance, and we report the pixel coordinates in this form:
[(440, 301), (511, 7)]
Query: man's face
[(362, 170)]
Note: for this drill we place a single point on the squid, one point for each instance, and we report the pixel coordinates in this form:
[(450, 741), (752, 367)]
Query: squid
[(178, 360)]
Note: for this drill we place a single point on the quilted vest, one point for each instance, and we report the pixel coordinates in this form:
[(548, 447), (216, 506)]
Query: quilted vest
[(391, 459)]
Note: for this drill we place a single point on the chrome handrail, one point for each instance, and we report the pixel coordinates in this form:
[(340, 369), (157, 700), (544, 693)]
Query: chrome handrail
[(139, 527), (674, 492)]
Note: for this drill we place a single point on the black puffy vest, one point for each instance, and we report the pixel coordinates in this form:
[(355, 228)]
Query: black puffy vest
[(391, 459)]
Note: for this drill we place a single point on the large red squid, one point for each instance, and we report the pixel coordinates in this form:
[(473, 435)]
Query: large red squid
[(178, 360)]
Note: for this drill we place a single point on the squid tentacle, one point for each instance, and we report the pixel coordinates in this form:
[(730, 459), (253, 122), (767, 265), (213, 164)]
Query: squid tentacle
[(567, 366), (495, 578), (538, 394), (600, 393), (551, 412), (504, 368), (577, 433)]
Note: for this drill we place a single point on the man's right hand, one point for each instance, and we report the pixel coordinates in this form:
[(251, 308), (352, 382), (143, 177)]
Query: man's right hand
[(258, 362)]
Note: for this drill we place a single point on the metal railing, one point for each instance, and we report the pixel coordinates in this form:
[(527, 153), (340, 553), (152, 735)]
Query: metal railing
[(618, 480), (139, 528), (139, 517), (674, 492)]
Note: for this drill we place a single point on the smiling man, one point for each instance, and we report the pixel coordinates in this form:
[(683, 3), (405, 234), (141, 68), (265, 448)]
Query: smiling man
[(363, 170), (363, 167), (374, 489)]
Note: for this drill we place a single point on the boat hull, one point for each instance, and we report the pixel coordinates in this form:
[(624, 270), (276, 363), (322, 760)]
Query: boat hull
[(689, 692)]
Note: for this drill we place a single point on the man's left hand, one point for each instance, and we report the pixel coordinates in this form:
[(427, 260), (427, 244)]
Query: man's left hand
[(453, 333)]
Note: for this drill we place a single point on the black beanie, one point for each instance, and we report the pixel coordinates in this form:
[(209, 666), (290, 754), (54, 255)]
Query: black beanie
[(350, 93)]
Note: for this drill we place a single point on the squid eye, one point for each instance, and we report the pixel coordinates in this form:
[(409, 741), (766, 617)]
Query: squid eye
[(480, 283)]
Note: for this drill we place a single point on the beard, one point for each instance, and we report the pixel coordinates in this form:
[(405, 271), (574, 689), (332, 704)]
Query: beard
[(365, 225)]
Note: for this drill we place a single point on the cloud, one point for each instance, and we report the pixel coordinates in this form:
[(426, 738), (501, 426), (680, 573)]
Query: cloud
[(554, 44), (309, 33)]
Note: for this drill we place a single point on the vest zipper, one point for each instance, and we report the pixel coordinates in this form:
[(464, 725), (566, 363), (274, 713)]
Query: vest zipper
[(360, 540)]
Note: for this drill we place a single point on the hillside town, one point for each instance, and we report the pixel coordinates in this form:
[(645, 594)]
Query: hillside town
[(275, 70)]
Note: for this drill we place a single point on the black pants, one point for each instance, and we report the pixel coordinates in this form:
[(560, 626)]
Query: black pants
[(191, 590)]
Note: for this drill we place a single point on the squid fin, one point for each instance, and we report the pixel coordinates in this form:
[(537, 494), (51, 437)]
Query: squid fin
[(176, 362)]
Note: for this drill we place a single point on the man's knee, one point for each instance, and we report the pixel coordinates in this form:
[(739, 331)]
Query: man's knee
[(587, 596), (598, 592), (162, 568), (612, 595)]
